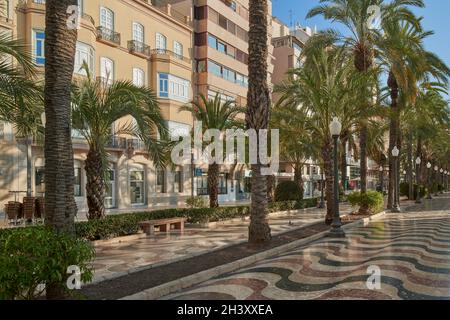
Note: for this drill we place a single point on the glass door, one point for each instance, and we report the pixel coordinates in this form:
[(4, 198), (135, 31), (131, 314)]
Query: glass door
[(137, 187), (110, 198)]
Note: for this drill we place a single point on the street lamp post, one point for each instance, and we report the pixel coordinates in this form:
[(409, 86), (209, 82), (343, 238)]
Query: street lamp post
[(429, 197), (396, 206), (442, 180), (418, 196), (336, 227), (436, 180)]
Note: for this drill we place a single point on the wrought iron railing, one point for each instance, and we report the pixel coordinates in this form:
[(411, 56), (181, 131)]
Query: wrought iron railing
[(139, 47), (108, 35)]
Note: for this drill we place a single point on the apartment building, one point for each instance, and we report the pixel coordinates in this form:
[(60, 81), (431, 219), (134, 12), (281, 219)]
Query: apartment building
[(120, 40)]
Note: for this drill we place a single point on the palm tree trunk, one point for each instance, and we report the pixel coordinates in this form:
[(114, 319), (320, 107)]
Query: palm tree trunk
[(393, 135), (213, 181), (329, 180), (363, 164), (95, 185), (60, 207), (271, 188), (298, 178), (257, 116)]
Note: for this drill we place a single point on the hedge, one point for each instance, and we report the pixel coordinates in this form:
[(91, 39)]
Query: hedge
[(372, 199), (127, 224)]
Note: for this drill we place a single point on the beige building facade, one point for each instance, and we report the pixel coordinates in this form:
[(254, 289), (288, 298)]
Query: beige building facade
[(120, 40), (179, 48)]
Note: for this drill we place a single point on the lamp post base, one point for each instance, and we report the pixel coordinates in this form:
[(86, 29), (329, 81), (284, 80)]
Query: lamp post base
[(396, 209), (336, 232), (418, 201), (321, 205)]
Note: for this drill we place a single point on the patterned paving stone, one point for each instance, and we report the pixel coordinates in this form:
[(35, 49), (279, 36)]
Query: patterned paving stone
[(112, 258), (412, 250)]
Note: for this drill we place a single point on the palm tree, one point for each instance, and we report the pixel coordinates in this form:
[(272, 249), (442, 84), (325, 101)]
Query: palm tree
[(298, 151), (21, 99), (214, 114), (96, 108), (356, 15), (322, 88), (60, 43), (257, 116)]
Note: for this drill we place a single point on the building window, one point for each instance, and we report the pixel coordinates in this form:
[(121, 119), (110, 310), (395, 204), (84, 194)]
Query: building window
[(161, 42), (138, 32), (107, 70), (178, 182), (39, 47), (110, 185), (163, 85), (84, 54), (214, 68), (223, 183), (4, 8), (161, 181), (200, 39), (178, 48), (39, 180), (212, 41), (200, 13), (173, 87), (201, 66), (77, 185), (202, 186), (106, 18), (137, 187), (138, 77)]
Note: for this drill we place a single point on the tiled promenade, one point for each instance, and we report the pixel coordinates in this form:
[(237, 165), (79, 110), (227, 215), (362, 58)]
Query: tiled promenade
[(116, 259), (411, 249)]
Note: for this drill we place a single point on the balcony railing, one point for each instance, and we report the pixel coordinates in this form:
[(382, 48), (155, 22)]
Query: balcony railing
[(116, 142), (170, 53), (108, 35), (139, 48), (136, 144)]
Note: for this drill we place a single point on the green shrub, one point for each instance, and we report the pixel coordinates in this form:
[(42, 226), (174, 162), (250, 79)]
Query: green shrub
[(196, 202), (288, 191), (33, 256), (372, 199)]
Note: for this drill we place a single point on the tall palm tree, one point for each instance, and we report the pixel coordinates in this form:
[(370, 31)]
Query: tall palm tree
[(298, 151), (96, 108), (321, 89), (356, 15), (214, 114), (60, 43), (257, 116), (403, 56)]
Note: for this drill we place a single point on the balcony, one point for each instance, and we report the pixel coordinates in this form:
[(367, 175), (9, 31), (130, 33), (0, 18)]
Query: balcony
[(170, 54), (139, 49), (108, 36), (136, 145), (116, 142)]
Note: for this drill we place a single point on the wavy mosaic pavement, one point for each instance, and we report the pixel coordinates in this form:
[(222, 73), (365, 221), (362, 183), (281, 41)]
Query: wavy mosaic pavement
[(411, 249)]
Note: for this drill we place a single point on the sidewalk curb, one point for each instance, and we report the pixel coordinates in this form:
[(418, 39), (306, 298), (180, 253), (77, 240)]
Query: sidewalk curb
[(185, 282)]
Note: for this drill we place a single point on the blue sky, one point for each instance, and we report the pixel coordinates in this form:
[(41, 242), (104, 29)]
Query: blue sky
[(436, 17)]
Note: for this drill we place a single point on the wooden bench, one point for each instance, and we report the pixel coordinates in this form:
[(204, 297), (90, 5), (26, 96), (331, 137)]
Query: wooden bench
[(164, 225)]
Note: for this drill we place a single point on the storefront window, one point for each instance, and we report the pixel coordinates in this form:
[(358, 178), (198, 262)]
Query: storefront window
[(137, 187), (77, 185), (39, 180)]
